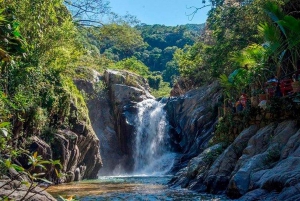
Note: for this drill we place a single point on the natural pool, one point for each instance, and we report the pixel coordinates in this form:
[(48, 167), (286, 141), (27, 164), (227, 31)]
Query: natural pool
[(135, 188)]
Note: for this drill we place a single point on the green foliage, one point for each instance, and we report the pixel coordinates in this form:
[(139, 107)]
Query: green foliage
[(123, 39), (162, 36), (11, 43), (154, 81), (163, 41), (231, 28), (171, 72), (34, 175), (153, 45), (132, 64), (235, 84), (190, 63), (284, 45), (39, 50), (163, 90), (74, 96)]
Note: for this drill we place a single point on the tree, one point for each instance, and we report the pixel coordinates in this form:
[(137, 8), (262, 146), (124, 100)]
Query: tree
[(123, 39), (133, 65), (88, 12), (190, 63), (284, 42)]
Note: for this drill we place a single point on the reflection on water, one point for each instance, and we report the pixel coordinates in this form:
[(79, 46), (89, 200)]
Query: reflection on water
[(135, 188)]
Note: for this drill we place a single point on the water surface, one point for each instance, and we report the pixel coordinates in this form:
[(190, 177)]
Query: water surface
[(135, 188)]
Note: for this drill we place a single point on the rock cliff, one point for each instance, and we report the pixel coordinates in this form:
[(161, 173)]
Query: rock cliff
[(77, 148), (192, 118), (111, 100), (261, 164)]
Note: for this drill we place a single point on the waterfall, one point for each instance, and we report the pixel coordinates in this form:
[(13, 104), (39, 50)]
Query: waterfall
[(151, 155)]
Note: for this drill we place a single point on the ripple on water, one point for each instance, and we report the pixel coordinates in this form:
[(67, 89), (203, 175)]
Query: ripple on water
[(135, 188)]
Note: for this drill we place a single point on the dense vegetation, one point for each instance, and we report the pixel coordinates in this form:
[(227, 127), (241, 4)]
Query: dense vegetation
[(246, 44), (151, 46), (43, 42), (39, 49), (255, 36)]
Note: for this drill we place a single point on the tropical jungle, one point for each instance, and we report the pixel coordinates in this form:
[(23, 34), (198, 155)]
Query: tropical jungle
[(95, 105)]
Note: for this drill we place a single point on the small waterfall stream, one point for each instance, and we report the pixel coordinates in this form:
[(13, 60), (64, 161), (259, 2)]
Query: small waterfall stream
[(151, 155)]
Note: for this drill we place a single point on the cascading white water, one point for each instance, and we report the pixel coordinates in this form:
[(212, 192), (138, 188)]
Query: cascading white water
[(151, 156)]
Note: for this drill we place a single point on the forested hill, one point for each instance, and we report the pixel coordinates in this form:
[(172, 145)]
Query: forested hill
[(163, 41), (149, 47)]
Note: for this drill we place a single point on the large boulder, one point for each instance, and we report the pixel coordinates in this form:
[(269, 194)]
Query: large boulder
[(111, 103), (132, 80), (219, 173), (191, 119), (263, 150), (190, 176), (261, 164), (87, 143), (15, 190)]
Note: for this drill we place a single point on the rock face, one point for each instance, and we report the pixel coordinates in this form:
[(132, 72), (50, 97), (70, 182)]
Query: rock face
[(261, 164), (77, 148), (111, 100), (75, 144), (125, 90), (191, 118)]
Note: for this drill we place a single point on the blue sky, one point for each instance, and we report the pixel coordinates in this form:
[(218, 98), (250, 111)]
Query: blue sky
[(167, 12)]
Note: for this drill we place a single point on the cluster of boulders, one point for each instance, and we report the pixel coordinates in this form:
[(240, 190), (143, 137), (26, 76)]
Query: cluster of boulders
[(261, 164)]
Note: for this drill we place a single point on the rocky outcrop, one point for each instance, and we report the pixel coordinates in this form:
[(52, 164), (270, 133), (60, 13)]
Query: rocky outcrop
[(15, 190), (102, 119), (74, 143), (126, 87), (77, 150), (192, 175), (111, 103), (15, 187), (125, 90), (261, 164), (191, 119)]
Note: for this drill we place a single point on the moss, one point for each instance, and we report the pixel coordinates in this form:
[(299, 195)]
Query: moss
[(76, 98)]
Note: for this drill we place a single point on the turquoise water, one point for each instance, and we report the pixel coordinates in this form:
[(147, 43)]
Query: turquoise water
[(135, 188)]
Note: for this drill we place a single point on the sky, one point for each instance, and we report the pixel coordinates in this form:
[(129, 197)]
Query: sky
[(167, 12)]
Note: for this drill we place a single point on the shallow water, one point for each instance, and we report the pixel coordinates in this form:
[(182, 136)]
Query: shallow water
[(135, 188)]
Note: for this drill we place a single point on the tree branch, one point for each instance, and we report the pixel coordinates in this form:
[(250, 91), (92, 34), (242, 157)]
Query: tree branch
[(196, 9), (90, 23)]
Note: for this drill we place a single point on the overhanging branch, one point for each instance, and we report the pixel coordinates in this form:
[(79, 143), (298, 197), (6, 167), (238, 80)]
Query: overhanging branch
[(196, 9)]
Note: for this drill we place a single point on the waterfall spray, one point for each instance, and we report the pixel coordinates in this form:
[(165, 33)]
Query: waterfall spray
[(151, 155)]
